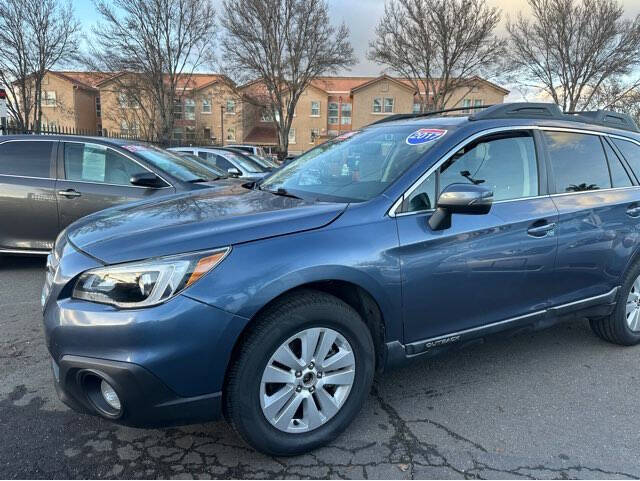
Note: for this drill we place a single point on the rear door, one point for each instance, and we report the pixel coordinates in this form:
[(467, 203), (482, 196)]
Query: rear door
[(28, 208), (599, 208), (93, 177)]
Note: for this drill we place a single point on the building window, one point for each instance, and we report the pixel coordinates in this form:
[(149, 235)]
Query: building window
[(266, 116), (177, 134), (177, 109), (98, 107), (126, 102), (388, 105), (231, 133), (231, 106), (292, 135), (416, 108), (333, 113), (190, 133), (189, 109), (49, 98), (466, 104), (314, 135), (315, 109), (346, 114), (129, 128), (383, 105), (206, 106), (206, 133), (477, 103), (377, 105)]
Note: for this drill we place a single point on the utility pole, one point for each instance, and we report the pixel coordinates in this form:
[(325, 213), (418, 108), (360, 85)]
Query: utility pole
[(222, 125)]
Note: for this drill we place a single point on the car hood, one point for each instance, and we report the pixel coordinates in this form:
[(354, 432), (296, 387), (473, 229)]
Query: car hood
[(193, 221)]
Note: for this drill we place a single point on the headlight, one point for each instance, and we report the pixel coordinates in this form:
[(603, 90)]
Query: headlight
[(145, 283)]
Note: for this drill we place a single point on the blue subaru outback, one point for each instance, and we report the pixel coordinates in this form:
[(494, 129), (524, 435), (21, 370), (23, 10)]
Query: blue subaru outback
[(275, 303)]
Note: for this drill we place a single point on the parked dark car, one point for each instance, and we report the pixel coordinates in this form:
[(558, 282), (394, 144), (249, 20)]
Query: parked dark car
[(276, 305), (47, 182), (264, 162)]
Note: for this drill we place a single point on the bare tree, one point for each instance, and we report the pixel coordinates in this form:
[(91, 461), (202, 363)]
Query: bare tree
[(440, 46), (284, 44), (159, 44), (571, 49), (35, 36)]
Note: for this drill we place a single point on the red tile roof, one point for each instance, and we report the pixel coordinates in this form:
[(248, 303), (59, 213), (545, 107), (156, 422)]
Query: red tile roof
[(263, 135)]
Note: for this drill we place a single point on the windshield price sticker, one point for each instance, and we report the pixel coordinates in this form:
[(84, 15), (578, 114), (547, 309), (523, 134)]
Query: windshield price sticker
[(424, 136)]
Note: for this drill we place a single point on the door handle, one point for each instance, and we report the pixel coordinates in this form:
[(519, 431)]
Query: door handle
[(541, 230), (69, 193), (633, 211)]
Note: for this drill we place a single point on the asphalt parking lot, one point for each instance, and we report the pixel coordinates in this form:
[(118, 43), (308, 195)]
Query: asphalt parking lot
[(555, 404)]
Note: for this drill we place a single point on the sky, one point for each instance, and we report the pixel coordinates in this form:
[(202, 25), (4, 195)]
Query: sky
[(361, 16)]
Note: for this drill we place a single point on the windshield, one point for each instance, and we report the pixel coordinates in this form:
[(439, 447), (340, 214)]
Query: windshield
[(179, 167), (217, 170), (266, 163), (246, 163), (355, 166)]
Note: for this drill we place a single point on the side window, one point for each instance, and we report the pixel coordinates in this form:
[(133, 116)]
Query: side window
[(99, 164), (578, 162), (222, 163), (619, 175), (26, 158), (505, 164), (631, 152)]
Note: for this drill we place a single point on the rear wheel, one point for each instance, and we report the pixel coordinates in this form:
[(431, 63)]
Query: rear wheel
[(623, 325), (301, 375)]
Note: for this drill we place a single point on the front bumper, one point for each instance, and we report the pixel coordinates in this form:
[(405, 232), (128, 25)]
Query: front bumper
[(167, 363), (146, 401)]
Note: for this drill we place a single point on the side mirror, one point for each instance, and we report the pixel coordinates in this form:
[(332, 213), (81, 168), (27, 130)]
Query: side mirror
[(460, 199), (145, 179), (233, 172)]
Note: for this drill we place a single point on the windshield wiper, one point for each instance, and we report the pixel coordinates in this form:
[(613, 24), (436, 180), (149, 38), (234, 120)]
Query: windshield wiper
[(282, 192)]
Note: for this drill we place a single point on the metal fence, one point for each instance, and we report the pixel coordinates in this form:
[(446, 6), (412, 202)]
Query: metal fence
[(54, 130)]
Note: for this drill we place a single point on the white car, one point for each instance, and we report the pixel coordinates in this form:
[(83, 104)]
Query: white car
[(236, 164), (251, 149)]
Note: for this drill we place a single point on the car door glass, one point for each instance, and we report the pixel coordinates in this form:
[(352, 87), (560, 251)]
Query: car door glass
[(578, 162), (222, 163), (619, 176), (26, 158), (631, 152), (505, 164), (98, 164)]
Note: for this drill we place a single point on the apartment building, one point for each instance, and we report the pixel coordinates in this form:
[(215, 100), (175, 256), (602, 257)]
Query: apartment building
[(211, 109), (208, 109), (331, 105), (71, 100)]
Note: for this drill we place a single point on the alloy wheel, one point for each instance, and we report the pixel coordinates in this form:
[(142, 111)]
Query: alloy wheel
[(632, 312), (307, 380)]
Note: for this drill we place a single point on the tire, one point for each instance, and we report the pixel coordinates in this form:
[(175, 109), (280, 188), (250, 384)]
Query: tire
[(615, 328), (303, 314)]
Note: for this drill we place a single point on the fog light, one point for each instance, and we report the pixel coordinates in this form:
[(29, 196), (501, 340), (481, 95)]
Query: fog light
[(109, 395)]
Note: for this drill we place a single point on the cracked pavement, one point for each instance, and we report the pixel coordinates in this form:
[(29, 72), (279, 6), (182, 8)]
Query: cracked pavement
[(556, 404)]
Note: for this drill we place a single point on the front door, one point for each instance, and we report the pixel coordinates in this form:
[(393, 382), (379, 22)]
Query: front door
[(484, 268), (96, 177)]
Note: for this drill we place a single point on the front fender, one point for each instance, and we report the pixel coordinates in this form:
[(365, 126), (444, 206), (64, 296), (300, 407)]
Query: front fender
[(256, 273)]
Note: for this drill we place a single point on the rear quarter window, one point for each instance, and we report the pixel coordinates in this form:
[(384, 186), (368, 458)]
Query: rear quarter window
[(631, 153), (26, 158)]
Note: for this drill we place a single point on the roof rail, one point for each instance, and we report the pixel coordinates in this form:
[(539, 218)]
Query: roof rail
[(391, 118), (608, 118), (552, 111)]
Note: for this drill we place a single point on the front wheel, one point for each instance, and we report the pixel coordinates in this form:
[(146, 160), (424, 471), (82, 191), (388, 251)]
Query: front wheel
[(301, 375)]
